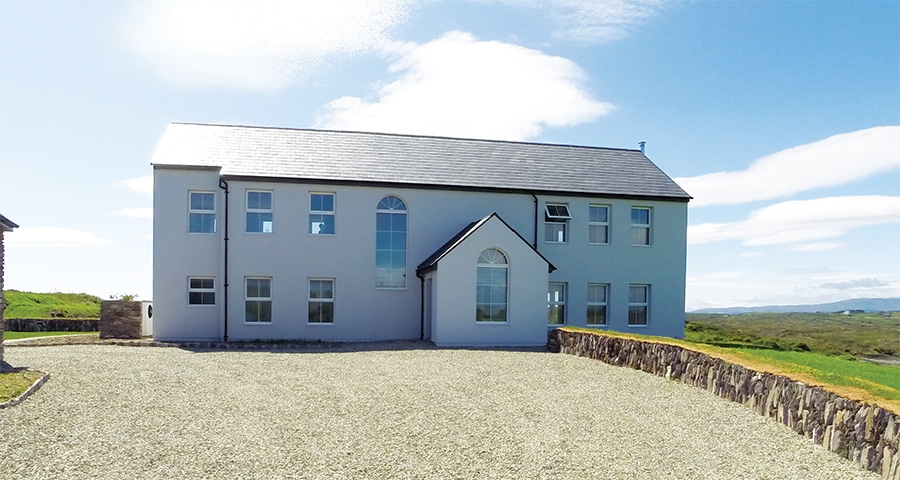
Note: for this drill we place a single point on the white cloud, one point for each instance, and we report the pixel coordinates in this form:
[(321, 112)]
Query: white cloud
[(593, 20), (52, 237), (138, 184), (837, 160), (143, 212), (855, 283), (816, 247), (802, 221), (256, 45), (458, 86)]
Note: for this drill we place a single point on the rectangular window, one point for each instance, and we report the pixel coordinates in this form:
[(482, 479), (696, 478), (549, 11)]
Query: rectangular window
[(640, 226), (556, 304), (201, 291), (259, 212), (258, 300), (598, 224), (321, 214), (321, 300), (202, 212), (556, 222), (638, 304), (597, 303)]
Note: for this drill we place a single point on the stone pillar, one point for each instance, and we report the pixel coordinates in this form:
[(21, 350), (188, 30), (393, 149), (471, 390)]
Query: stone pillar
[(120, 319)]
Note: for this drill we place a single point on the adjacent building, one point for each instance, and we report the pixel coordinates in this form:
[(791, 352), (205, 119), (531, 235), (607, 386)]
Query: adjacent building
[(6, 225), (275, 233)]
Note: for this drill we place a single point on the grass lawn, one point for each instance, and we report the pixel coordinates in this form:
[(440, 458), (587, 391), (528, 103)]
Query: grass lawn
[(14, 384), (18, 335)]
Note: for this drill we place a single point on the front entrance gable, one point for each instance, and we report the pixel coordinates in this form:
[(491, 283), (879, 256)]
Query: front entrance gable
[(486, 286)]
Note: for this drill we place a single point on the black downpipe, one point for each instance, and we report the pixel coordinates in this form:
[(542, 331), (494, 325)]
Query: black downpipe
[(224, 186), (536, 220)]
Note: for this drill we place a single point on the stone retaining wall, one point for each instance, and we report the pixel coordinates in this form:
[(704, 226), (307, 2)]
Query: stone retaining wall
[(865, 434), (3, 365), (120, 319), (51, 325)]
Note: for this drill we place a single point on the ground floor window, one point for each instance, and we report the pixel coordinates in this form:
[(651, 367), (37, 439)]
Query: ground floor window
[(321, 300), (258, 300), (597, 303), (638, 304), (201, 291), (491, 286), (556, 304)]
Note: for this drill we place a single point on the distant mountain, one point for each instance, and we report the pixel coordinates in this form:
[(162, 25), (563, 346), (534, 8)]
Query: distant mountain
[(865, 304)]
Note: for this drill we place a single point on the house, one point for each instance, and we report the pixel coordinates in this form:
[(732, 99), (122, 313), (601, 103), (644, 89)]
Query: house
[(6, 225), (276, 233)]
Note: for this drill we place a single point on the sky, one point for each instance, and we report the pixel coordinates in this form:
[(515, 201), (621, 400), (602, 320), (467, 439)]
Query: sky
[(780, 118)]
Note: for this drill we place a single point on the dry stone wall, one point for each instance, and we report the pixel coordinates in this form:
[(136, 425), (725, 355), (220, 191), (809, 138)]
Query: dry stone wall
[(2, 303), (51, 325), (865, 434), (120, 319)]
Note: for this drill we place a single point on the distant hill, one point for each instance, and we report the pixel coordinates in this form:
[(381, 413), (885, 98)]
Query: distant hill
[(864, 304), (51, 305)]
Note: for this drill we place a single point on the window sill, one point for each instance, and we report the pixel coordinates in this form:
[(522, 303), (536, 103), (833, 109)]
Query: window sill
[(320, 324), (258, 323), (480, 322)]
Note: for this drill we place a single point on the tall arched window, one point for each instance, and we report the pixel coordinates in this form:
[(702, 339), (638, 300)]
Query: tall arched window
[(390, 243), (491, 286)]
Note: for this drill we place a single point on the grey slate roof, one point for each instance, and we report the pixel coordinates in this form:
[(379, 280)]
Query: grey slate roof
[(6, 224), (416, 161), (431, 262)]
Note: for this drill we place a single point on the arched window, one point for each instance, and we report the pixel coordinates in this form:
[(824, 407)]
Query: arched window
[(491, 286), (390, 243)]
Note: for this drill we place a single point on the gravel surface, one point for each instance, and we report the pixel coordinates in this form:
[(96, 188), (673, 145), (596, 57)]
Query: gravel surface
[(143, 412)]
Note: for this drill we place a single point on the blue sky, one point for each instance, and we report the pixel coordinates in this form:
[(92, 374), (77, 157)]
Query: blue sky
[(781, 118)]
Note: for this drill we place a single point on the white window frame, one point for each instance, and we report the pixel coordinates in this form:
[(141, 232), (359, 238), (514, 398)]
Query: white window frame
[(202, 290), (594, 224), (320, 300), (393, 211), (648, 227), (598, 303), (322, 213), (248, 298), (556, 215), (635, 304), (201, 211), (493, 264), (557, 302), (270, 211)]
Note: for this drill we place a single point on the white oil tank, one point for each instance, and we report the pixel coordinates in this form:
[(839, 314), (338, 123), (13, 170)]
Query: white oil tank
[(147, 318)]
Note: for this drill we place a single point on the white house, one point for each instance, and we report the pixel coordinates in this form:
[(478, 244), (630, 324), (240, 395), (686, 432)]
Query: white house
[(275, 233)]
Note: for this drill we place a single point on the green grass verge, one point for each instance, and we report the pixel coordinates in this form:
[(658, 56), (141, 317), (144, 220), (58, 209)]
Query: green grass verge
[(18, 335), (51, 305), (882, 381), (14, 384)]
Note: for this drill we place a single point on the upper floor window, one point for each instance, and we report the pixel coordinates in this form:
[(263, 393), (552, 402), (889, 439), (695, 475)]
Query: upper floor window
[(556, 304), (597, 303), (640, 225), (598, 224), (390, 243), (638, 304), (321, 213), (202, 212), (556, 223), (321, 300), (201, 291), (491, 286), (259, 212)]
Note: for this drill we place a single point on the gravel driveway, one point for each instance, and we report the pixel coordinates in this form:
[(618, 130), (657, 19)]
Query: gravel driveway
[(130, 412)]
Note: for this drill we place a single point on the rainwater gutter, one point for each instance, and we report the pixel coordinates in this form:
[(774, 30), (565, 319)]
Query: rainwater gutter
[(224, 186)]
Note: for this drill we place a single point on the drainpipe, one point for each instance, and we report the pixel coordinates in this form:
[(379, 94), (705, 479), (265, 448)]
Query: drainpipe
[(224, 186), (536, 219)]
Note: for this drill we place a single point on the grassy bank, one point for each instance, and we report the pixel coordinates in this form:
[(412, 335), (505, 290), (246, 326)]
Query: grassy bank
[(18, 335), (51, 305)]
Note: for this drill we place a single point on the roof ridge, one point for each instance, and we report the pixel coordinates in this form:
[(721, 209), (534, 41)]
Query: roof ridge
[(408, 135)]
